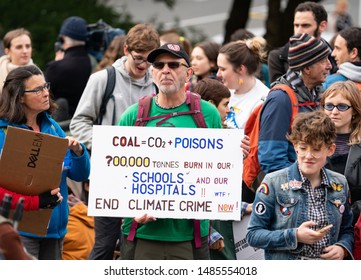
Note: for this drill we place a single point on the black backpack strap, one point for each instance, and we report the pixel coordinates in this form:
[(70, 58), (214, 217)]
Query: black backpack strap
[(108, 93)]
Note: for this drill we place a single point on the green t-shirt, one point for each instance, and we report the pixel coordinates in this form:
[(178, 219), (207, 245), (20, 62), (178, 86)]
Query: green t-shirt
[(170, 229)]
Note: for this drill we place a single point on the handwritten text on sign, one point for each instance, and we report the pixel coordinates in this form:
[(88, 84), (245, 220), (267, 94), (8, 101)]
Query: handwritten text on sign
[(166, 172)]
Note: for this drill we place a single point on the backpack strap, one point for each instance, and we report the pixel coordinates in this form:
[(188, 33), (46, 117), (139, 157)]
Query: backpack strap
[(108, 93), (143, 110), (132, 231), (294, 101), (192, 100), (197, 234)]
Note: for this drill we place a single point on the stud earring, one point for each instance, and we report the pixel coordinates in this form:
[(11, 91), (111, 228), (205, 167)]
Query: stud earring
[(240, 81)]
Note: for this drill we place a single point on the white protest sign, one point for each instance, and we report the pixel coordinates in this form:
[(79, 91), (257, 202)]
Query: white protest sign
[(166, 172)]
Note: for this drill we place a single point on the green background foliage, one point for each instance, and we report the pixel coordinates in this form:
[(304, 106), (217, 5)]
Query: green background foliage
[(43, 18)]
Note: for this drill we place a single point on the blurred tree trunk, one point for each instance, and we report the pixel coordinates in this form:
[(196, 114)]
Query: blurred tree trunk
[(279, 24), (238, 17)]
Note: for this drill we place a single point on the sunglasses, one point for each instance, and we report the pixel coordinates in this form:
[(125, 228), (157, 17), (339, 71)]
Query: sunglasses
[(172, 64), (341, 107)]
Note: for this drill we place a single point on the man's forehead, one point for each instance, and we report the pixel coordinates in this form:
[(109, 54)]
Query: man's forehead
[(304, 17)]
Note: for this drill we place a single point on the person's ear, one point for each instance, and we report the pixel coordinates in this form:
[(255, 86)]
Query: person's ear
[(126, 49), (6, 50), (331, 150), (322, 27), (211, 101), (354, 54), (189, 73)]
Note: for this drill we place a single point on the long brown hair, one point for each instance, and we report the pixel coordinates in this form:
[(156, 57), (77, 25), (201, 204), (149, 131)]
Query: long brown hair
[(14, 86)]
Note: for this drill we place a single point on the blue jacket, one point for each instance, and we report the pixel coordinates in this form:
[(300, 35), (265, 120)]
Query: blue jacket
[(275, 152), (274, 230), (330, 79), (76, 168)]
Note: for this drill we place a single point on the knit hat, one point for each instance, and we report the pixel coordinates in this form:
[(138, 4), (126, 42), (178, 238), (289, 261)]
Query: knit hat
[(175, 49), (305, 50), (75, 28)]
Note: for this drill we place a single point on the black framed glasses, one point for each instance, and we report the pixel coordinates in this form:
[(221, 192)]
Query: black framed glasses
[(138, 59), (342, 107), (172, 64), (39, 90)]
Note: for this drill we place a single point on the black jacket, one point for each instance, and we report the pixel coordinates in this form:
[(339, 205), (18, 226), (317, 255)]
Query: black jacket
[(68, 77)]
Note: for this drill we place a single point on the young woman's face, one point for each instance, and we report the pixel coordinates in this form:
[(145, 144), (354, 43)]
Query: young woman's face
[(226, 72), (20, 50), (200, 63), (341, 119), (311, 159)]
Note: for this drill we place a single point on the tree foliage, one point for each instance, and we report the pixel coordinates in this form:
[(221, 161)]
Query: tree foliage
[(43, 18)]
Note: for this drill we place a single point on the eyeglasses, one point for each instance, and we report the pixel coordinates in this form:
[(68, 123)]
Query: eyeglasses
[(138, 59), (303, 151), (39, 90), (342, 107), (172, 65)]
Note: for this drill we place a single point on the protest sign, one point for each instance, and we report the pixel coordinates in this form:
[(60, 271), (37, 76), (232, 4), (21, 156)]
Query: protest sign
[(166, 172)]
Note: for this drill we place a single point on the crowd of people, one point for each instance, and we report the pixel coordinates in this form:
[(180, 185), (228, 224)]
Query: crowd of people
[(306, 204)]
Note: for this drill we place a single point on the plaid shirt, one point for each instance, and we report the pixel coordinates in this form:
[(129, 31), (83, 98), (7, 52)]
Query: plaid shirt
[(316, 212)]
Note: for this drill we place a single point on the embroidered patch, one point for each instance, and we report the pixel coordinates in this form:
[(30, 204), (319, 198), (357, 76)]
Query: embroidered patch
[(294, 184), (284, 186), (285, 211), (263, 188), (336, 187), (260, 208), (337, 202)]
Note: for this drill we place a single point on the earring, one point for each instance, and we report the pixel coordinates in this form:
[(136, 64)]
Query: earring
[(240, 81)]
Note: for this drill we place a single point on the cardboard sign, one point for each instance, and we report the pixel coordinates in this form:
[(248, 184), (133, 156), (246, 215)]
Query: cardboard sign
[(31, 162), (243, 250), (166, 172)]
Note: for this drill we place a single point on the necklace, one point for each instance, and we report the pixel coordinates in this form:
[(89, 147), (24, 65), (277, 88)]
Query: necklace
[(167, 108)]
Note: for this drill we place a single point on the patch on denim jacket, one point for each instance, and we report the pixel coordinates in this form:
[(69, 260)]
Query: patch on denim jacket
[(294, 184), (336, 186), (260, 208), (338, 203), (263, 188), (285, 211)]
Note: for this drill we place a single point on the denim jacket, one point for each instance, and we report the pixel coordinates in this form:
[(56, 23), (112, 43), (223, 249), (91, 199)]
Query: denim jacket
[(280, 207)]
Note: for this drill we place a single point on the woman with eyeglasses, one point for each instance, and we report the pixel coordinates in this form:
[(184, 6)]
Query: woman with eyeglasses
[(26, 103), (342, 103), (18, 51)]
